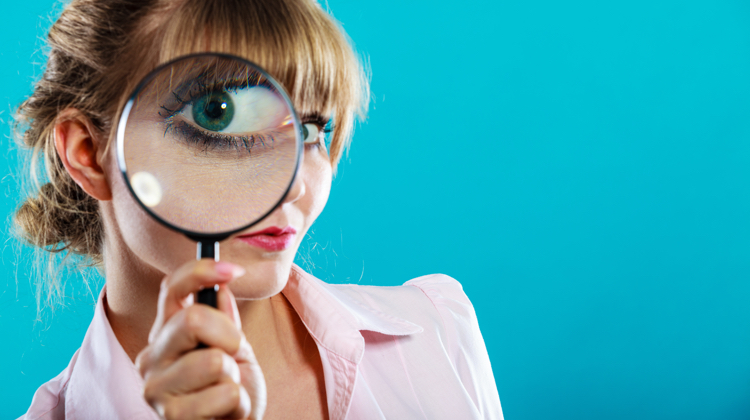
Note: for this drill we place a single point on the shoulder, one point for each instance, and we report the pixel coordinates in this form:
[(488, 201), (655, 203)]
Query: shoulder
[(436, 302), (49, 399), (432, 284), (444, 292), (452, 304), (432, 293), (448, 348)]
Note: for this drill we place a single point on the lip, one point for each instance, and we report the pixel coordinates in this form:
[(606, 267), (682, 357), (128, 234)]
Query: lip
[(272, 239)]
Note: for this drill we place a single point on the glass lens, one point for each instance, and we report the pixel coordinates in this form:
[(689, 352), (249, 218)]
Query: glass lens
[(209, 144)]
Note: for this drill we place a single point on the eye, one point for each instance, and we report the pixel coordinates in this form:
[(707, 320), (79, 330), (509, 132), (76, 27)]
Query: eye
[(311, 133), (214, 111), (229, 118), (237, 111)]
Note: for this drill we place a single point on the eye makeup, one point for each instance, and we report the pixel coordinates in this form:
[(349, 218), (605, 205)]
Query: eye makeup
[(207, 141)]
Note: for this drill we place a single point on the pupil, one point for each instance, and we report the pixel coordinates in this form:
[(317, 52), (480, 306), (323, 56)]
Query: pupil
[(215, 109)]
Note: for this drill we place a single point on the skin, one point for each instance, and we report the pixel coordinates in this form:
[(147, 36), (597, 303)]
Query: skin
[(261, 361)]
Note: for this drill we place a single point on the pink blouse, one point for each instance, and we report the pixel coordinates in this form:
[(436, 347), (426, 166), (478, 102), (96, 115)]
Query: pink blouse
[(405, 352)]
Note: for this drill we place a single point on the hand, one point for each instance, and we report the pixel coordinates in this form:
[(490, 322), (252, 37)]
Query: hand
[(220, 381)]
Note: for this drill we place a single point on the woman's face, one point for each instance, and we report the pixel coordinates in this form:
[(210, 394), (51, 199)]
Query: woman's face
[(267, 260)]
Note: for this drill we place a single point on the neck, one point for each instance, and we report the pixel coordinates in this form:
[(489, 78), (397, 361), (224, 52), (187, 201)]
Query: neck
[(132, 296), (277, 334)]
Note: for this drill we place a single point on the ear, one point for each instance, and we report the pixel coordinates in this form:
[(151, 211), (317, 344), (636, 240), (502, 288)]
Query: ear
[(81, 153)]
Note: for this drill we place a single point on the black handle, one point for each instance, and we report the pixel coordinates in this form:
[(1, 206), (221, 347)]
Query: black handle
[(207, 296), (208, 249)]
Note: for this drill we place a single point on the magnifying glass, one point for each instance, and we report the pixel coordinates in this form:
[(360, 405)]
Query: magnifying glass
[(209, 145)]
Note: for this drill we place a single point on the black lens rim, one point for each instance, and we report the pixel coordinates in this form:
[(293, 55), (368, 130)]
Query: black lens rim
[(120, 143)]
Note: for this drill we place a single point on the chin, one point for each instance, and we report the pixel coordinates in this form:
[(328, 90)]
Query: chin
[(266, 276)]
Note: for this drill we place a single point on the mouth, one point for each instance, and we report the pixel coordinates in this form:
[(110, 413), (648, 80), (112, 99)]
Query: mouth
[(272, 239)]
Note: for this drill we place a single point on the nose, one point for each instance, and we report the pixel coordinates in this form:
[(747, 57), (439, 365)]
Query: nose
[(297, 190)]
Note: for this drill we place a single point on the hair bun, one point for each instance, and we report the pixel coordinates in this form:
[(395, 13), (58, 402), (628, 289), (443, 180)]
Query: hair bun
[(62, 218)]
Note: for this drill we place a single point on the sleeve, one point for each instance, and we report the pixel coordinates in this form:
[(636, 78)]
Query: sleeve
[(463, 341)]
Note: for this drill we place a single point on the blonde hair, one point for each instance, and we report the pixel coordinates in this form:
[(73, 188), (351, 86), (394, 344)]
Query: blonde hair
[(100, 49)]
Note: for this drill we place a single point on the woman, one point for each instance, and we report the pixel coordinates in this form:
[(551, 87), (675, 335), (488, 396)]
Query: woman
[(282, 344)]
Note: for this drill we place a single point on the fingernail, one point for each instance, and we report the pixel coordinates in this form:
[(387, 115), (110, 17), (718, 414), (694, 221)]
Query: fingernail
[(228, 269)]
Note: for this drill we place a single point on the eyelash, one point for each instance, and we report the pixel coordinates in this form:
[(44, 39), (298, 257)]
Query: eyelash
[(209, 140), (325, 125)]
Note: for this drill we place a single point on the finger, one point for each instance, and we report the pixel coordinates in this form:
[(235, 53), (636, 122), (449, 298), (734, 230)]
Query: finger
[(178, 288), (190, 326), (228, 305), (252, 378), (143, 361), (192, 372), (195, 276), (225, 399)]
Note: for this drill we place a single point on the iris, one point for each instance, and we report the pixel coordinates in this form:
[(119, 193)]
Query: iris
[(214, 111)]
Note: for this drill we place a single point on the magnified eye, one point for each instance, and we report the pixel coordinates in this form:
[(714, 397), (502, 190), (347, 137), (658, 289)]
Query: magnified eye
[(311, 132), (231, 118), (237, 111), (214, 111)]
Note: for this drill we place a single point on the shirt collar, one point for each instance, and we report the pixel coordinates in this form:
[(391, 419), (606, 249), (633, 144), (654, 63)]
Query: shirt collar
[(105, 381), (335, 318)]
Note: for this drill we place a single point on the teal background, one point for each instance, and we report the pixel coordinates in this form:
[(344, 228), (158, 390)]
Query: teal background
[(581, 167)]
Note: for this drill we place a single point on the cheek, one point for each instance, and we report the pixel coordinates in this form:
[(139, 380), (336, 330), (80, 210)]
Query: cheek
[(147, 239), (317, 175)]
